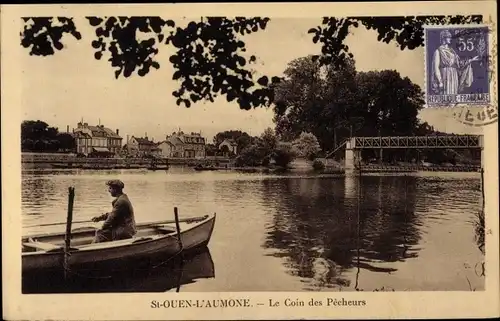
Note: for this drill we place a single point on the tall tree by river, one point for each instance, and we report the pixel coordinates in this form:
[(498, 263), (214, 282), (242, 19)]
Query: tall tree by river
[(333, 103)]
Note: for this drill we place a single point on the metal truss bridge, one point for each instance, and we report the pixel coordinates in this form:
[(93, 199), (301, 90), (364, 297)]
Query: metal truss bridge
[(416, 142)]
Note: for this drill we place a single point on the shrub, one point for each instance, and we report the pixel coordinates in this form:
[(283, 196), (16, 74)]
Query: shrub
[(283, 155), (318, 165)]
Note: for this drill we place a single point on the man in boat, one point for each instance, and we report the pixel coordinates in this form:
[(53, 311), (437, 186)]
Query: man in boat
[(119, 224)]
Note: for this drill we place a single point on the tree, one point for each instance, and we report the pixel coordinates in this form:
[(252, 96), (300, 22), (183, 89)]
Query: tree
[(209, 52), (268, 141), (38, 136), (388, 103), (211, 150), (242, 139), (250, 156), (315, 99), (66, 141), (283, 154), (306, 145), (344, 102)]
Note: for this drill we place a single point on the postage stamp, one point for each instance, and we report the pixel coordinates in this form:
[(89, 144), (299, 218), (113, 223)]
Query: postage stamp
[(457, 65)]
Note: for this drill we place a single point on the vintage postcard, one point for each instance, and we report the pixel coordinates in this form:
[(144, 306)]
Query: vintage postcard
[(250, 161)]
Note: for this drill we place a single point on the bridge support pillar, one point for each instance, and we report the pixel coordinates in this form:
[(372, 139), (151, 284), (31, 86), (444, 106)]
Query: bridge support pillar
[(352, 157)]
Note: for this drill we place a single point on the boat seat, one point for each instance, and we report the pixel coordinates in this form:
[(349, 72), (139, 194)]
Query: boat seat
[(165, 229), (42, 246)]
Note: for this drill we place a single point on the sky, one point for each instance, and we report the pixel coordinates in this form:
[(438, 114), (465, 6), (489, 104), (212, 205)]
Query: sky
[(72, 85)]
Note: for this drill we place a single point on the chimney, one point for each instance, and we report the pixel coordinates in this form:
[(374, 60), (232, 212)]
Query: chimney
[(118, 132), (67, 128), (128, 145)]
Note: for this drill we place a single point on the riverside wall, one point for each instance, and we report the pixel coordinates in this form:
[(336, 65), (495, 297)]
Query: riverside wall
[(60, 159)]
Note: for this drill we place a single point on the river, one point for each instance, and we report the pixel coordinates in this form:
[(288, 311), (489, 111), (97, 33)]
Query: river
[(295, 232)]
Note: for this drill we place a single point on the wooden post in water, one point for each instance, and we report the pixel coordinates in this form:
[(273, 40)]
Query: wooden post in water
[(67, 237), (178, 228)]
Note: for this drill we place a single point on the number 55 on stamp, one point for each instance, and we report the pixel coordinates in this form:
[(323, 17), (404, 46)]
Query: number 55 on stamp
[(457, 65)]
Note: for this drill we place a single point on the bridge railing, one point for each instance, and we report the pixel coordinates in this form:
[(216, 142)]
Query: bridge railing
[(455, 141)]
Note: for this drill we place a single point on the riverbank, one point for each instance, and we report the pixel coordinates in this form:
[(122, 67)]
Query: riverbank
[(71, 161), (63, 161)]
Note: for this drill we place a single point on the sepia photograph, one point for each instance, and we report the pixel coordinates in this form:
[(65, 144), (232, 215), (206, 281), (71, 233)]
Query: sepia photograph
[(221, 153)]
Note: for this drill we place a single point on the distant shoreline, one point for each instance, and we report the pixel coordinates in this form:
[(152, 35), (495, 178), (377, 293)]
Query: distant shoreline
[(71, 161), (67, 158)]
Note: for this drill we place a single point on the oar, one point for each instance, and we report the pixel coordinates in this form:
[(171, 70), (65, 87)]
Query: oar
[(185, 220)]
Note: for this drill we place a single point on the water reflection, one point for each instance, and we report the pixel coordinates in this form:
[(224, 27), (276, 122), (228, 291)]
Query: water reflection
[(324, 229), (162, 278)]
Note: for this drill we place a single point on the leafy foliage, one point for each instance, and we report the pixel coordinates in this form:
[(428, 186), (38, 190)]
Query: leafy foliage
[(268, 141), (209, 62), (406, 31), (250, 156), (283, 154), (40, 137), (318, 165), (42, 35), (211, 150), (307, 145), (119, 36), (343, 102), (243, 139), (209, 59)]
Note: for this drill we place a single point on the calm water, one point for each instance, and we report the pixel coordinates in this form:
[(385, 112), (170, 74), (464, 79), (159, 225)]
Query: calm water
[(292, 232)]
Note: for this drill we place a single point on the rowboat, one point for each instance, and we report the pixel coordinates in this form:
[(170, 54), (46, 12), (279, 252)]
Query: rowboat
[(158, 168), (154, 239), (208, 168)]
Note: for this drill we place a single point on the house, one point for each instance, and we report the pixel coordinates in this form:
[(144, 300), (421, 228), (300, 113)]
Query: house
[(167, 149), (142, 146), (228, 147), (186, 145), (96, 140), (114, 140)]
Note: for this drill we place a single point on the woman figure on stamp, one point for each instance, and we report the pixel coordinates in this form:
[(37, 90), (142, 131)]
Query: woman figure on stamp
[(450, 74)]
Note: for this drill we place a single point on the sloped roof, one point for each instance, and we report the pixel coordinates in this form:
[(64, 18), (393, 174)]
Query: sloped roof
[(166, 141), (144, 141), (81, 134), (111, 133), (175, 140)]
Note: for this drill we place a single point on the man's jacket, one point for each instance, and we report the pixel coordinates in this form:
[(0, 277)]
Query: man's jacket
[(120, 221)]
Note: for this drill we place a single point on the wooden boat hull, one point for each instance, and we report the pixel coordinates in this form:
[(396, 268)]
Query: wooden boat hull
[(139, 248), (172, 275)]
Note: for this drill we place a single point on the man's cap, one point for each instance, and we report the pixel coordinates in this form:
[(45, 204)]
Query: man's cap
[(116, 183)]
